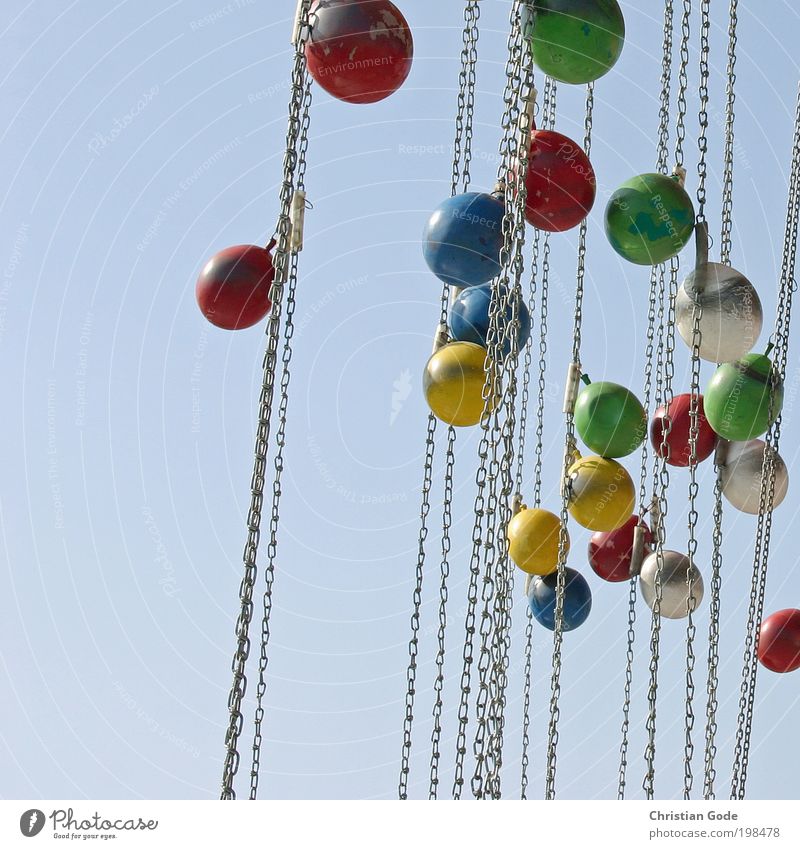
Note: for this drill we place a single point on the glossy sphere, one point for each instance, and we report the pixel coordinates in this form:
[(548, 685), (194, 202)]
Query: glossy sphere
[(737, 400), (233, 288), (675, 575), (610, 551), (577, 599), (779, 641), (533, 541), (462, 239), (560, 182), (359, 51), (469, 318), (610, 419), (453, 383), (576, 41), (732, 316), (678, 437), (649, 219), (601, 493), (742, 473)]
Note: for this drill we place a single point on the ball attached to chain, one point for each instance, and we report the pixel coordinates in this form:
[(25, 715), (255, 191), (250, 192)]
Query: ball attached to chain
[(737, 401), (779, 641), (533, 540), (677, 448), (610, 419), (359, 51), (649, 219), (741, 475), (469, 318), (575, 41), (453, 383), (233, 288), (577, 599), (610, 551), (731, 318), (681, 583), (600, 493), (560, 182), (463, 238)]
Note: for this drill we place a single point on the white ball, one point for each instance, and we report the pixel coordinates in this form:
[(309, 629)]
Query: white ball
[(741, 475), (675, 573), (732, 315)]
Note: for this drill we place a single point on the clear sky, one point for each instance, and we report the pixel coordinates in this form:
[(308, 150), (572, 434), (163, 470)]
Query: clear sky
[(139, 138)]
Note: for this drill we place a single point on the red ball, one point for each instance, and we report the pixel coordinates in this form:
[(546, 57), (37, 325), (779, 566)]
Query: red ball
[(359, 51), (560, 182), (610, 551), (233, 287), (779, 641), (678, 438)]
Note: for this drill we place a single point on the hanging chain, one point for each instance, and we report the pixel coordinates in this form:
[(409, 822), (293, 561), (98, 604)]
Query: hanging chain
[(787, 288), (462, 144), (568, 459), (282, 273), (727, 174)]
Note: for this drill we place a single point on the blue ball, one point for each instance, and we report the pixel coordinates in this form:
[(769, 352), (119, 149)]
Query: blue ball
[(577, 599), (463, 238), (469, 318)]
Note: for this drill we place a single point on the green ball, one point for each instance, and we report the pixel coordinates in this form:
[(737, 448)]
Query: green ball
[(610, 419), (649, 219), (576, 41), (737, 400)]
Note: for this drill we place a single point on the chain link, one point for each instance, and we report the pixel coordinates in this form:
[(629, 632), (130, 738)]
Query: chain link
[(282, 266), (730, 100)]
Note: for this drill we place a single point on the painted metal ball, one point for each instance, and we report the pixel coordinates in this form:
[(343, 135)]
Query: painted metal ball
[(779, 641), (463, 238), (359, 51), (610, 551), (676, 572), (741, 475), (610, 419), (577, 599), (649, 219), (560, 182), (601, 493), (678, 449), (453, 383), (737, 400), (533, 540), (469, 318), (233, 288), (731, 318), (576, 41)]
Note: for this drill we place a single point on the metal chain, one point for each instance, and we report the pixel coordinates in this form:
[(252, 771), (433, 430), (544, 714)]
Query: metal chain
[(462, 144), (683, 82), (787, 288), (280, 442), (282, 272), (712, 679), (568, 459)]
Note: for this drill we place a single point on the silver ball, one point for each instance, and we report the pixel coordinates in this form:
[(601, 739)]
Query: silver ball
[(732, 314), (741, 475), (675, 572)]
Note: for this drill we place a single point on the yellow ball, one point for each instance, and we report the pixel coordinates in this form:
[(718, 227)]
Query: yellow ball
[(533, 541), (453, 382), (601, 493)]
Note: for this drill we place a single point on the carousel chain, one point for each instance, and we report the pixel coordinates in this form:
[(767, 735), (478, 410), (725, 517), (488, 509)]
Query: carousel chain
[(683, 81), (282, 271), (498, 428), (462, 156), (694, 410), (280, 443), (787, 288), (568, 458), (712, 678)]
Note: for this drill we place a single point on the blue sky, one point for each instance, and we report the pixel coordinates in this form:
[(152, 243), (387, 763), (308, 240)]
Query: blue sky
[(139, 139)]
